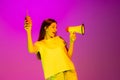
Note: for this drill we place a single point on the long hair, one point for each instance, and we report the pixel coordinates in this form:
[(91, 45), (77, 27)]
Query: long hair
[(42, 32), (45, 23)]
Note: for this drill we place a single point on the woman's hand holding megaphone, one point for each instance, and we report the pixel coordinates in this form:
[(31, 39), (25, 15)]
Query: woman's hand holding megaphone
[(72, 37)]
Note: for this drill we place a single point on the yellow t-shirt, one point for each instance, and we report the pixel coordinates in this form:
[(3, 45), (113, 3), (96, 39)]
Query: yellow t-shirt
[(53, 56)]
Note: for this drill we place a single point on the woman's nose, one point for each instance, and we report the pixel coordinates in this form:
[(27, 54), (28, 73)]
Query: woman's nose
[(55, 29)]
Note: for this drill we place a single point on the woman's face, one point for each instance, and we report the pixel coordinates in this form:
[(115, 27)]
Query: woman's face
[(51, 30)]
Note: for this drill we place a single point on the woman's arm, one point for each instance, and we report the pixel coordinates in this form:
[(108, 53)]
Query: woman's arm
[(30, 43), (71, 44), (28, 26)]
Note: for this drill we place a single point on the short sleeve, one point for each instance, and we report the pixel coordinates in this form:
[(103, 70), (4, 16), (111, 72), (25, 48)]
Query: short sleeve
[(36, 47)]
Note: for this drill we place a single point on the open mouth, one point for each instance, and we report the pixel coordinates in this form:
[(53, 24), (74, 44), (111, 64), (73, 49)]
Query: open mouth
[(54, 32)]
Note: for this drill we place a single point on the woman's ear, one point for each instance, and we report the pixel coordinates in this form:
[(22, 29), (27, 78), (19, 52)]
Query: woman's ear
[(45, 28)]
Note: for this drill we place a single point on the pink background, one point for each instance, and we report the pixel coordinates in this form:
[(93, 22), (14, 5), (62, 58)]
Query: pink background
[(96, 54)]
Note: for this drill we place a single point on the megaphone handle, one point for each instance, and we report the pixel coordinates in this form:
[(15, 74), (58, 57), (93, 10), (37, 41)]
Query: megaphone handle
[(72, 37)]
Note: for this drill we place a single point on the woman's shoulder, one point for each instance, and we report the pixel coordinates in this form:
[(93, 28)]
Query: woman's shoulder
[(60, 38)]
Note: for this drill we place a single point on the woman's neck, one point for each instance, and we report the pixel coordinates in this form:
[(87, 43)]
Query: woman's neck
[(48, 37)]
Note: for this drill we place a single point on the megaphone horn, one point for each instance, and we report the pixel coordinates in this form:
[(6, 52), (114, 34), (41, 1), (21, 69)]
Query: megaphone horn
[(76, 29)]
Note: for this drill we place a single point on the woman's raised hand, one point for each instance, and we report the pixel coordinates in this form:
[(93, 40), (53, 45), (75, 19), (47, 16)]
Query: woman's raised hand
[(27, 23)]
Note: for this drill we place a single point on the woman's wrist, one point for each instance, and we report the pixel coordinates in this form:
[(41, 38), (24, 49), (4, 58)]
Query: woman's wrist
[(28, 32), (72, 40)]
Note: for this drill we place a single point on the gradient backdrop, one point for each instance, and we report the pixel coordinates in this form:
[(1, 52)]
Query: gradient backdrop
[(96, 54)]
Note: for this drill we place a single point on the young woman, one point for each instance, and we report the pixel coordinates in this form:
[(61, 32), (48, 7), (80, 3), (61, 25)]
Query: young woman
[(52, 50)]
